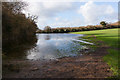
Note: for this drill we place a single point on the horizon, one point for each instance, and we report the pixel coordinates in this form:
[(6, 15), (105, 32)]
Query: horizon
[(72, 14)]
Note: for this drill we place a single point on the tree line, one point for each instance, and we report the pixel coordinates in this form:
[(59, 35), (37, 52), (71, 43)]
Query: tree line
[(103, 25)]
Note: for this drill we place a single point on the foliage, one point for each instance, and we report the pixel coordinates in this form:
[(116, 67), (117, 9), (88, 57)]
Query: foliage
[(16, 27), (81, 28), (103, 23)]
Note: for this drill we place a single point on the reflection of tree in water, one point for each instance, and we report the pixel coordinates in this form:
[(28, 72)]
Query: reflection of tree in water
[(15, 50), (47, 37)]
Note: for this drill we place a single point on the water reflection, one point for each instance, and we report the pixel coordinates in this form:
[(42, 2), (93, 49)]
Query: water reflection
[(48, 46), (18, 51), (53, 46), (47, 37)]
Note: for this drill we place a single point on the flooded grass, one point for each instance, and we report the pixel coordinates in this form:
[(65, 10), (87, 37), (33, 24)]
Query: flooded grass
[(108, 37)]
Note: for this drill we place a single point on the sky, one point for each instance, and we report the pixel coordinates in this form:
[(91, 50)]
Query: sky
[(72, 14)]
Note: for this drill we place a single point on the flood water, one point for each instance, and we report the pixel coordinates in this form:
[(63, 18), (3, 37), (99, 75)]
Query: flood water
[(49, 47), (53, 46)]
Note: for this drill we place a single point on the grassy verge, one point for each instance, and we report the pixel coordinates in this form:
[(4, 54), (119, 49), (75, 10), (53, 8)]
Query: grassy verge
[(110, 38)]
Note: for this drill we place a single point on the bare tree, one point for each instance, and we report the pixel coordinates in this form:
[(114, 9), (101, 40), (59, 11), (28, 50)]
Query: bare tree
[(47, 29)]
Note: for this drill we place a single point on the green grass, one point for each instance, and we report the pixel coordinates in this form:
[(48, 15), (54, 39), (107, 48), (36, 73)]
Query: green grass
[(112, 60), (109, 37)]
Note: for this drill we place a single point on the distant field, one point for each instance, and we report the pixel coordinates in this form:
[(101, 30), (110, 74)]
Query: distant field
[(110, 37)]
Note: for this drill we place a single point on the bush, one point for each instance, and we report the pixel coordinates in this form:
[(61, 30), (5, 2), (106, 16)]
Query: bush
[(103, 25), (17, 29)]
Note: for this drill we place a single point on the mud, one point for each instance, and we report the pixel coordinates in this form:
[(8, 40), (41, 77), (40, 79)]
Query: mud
[(86, 66)]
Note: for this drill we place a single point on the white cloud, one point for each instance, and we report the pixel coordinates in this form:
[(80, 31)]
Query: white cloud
[(63, 22), (47, 10), (57, 5), (71, 0), (109, 10), (49, 13), (57, 19), (94, 13)]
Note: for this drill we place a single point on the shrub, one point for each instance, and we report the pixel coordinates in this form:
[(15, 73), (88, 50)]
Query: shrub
[(103, 25)]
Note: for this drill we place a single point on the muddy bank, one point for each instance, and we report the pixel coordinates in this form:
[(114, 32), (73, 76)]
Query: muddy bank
[(86, 66)]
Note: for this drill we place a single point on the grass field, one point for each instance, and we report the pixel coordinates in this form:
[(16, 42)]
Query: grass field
[(110, 38)]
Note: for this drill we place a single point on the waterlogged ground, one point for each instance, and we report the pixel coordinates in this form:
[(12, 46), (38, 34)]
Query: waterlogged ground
[(59, 56), (53, 46)]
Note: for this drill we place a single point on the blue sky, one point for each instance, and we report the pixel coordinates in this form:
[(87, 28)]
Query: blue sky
[(72, 14)]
